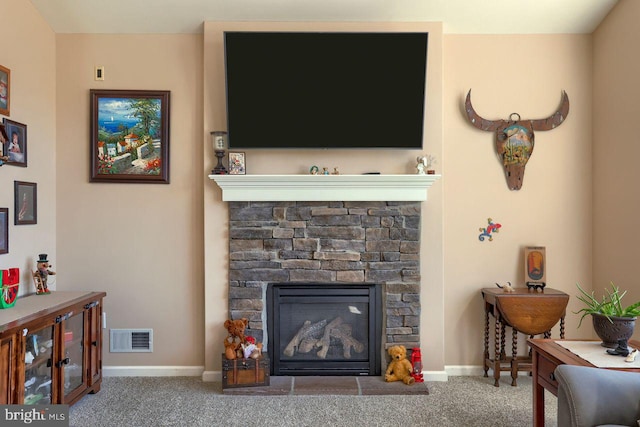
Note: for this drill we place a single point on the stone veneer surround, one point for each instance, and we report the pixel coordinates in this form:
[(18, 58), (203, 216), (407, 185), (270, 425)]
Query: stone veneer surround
[(327, 242)]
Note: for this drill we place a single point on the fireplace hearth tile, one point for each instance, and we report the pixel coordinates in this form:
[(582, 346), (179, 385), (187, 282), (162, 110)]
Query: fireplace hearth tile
[(325, 385), (330, 385)]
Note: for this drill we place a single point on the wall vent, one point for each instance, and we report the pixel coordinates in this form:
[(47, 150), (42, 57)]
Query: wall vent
[(131, 340)]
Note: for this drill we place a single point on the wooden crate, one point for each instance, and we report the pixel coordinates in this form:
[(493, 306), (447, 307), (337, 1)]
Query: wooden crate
[(245, 372)]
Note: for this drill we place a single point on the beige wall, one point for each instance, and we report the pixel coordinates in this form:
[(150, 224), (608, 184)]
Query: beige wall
[(28, 49), (616, 199), (523, 74), (141, 243), (160, 251)]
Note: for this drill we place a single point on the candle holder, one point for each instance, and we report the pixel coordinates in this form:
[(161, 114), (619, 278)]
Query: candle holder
[(219, 143)]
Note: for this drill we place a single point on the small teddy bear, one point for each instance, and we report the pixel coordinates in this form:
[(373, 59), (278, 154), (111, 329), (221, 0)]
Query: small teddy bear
[(234, 341), (399, 368)]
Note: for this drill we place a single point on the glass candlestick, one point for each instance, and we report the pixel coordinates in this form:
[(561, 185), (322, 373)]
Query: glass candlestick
[(219, 143)]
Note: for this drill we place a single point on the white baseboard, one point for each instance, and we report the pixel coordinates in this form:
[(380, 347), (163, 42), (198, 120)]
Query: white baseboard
[(212, 376), (152, 371), (464, 370)]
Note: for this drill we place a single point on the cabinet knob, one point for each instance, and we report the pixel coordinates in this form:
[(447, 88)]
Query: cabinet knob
[(94, 343), (64, 361), (552, 377)]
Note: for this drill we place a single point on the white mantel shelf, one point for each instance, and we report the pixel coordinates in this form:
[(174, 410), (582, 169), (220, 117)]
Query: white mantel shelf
[(360, 188)]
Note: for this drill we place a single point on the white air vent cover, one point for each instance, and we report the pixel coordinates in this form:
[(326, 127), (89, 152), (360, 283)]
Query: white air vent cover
[(131, 340)]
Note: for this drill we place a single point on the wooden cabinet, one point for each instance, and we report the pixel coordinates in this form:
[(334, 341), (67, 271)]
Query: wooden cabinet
[(51, 348)]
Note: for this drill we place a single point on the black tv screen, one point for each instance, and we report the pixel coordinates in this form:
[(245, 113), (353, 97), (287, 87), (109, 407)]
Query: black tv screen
[(325, 90)]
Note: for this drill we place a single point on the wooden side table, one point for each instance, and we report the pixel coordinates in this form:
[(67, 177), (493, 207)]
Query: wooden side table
[(529, 312)]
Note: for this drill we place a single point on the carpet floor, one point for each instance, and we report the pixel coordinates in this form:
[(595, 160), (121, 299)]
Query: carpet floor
[(187, 401)]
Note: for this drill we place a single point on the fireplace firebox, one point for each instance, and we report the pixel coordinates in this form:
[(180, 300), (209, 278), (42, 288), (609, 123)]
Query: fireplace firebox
[(324, 329)]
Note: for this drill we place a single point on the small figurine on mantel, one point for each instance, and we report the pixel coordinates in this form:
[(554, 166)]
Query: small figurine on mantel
[(425, 164), (40, 276)]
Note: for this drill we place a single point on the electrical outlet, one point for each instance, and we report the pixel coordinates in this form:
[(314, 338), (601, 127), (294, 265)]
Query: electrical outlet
[(99, 73)]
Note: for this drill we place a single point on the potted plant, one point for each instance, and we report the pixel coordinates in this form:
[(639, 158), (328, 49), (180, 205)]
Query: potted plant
[(611, 320)]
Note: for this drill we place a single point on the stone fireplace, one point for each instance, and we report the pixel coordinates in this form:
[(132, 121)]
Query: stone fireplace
[(336, 238)]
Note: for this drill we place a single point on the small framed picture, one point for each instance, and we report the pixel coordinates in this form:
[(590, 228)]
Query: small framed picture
[(25, 202), (237, 165), (5, 90), (16, 146), (535, 265), (4, 230)]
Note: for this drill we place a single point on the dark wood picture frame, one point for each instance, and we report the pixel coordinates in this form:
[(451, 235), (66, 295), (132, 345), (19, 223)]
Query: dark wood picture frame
[(4, 230), (129, 136), (25, 206), (16, 145), (5, 91)]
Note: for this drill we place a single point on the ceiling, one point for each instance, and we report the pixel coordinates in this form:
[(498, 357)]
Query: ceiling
[(457, 16)]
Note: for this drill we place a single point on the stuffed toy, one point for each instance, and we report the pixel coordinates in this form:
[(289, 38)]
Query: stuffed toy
[(399, 368), (233, 344)]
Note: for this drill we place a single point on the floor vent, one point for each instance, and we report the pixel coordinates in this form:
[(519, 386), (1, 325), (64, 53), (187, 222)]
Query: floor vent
[(131, 340)]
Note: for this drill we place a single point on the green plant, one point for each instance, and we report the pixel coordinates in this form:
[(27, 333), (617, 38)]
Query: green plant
[(610, 306)]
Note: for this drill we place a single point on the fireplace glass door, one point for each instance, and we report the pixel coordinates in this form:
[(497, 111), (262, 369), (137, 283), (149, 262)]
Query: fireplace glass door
[(324, 329)]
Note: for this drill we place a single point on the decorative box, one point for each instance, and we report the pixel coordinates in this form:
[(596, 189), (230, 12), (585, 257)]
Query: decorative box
[(245, 372)]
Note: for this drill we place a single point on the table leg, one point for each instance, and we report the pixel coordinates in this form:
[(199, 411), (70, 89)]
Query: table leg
[(496, 360), (538, 394), (514, 357), (562, 328), (486, 343)]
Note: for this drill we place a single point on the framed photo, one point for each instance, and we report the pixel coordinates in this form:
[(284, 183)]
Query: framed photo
[(535, 265), (130, 136), (4, 230), (16, 145), (237, 165), (25, 197), (5, 90)]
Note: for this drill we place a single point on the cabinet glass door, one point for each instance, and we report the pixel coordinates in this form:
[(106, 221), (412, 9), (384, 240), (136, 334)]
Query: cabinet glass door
[(38, 361), (73, 360)]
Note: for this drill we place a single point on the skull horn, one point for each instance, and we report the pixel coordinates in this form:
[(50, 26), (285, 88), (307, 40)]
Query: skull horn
[(556, 118), (478, 121)]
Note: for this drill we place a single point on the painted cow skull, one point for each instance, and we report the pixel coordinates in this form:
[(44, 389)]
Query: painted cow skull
[(515, 138)]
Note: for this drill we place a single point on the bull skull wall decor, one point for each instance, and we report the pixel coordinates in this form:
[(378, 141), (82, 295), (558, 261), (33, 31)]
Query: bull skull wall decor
[(515, 138)]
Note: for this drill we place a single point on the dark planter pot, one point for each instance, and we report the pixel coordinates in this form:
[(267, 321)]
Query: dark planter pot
[(610, 333)]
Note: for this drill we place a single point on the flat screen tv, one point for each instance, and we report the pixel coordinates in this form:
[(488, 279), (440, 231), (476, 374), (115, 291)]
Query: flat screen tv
[(325, 90)]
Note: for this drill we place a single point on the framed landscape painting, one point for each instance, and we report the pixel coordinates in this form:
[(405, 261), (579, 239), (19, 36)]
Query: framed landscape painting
[(130, 136)]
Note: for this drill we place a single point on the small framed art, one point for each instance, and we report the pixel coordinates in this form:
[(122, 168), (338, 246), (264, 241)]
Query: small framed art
[(25, 197), (4, 230), (16, 146), (5, 90), (237, 164), (535, 265)]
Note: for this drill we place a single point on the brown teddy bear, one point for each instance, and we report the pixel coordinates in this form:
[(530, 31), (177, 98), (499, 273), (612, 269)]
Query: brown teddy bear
[(234, 341), (399, 368)]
